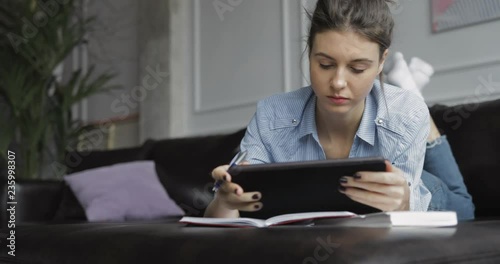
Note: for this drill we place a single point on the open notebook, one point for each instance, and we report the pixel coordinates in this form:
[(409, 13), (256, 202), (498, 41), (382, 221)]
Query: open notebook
[(384, 219)]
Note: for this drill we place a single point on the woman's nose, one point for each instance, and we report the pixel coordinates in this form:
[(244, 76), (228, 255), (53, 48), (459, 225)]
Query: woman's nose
[(338, 81)]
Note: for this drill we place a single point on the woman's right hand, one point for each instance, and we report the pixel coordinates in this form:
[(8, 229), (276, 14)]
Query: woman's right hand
[(230, 197)]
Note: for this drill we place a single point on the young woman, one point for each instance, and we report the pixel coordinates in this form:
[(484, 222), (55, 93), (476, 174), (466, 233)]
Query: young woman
[(346, 112)]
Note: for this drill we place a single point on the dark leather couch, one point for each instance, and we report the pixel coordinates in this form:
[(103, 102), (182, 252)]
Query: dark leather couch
[(51, 226)]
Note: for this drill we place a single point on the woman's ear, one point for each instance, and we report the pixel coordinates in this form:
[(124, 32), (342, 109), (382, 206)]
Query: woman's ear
[(382, 61)]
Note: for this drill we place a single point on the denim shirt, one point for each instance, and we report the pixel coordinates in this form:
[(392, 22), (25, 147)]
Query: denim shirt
[(396, 127)]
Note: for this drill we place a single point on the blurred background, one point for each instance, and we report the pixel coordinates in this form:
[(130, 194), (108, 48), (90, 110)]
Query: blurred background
[(181, 68), (223, 56)]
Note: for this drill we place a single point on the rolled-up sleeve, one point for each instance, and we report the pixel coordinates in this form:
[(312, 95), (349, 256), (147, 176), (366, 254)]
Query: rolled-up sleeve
[(252, 142)]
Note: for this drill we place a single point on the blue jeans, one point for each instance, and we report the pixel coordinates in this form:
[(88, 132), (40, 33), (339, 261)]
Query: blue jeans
[(442, 177)]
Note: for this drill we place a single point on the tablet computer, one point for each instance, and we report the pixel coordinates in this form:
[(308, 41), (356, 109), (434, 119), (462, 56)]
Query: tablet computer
[(306, 186)]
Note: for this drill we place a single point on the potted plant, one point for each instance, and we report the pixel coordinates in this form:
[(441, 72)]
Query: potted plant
[(36, 105)]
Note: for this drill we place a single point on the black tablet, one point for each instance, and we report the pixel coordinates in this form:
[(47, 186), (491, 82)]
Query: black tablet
[(307, 186)]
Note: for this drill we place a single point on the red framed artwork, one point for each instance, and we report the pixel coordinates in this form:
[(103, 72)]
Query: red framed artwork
[(451, 14)]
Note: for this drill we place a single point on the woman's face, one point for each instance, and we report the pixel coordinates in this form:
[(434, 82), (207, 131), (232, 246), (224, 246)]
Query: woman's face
[(343, 66)]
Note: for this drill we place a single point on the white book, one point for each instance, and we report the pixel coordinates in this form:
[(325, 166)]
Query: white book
[(384, 219), (273, 221), (400, 218)]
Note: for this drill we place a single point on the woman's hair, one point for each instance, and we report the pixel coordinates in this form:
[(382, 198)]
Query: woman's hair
[(369, 18)]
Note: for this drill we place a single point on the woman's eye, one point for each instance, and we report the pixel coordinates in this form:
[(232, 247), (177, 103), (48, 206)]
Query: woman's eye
[(326, 67), (357, 71)]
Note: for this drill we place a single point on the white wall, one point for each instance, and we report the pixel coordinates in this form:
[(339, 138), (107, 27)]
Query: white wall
[(131, 38), (465, 59), (154, 71), (113, 46), (225, 55), (234, 54)]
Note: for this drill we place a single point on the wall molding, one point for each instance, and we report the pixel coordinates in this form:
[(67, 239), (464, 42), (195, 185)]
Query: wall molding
[(286, 53), (180, 81), (303, 44), (196, 57), (285, 38), (198, 108), (227, 106), (466, 66)]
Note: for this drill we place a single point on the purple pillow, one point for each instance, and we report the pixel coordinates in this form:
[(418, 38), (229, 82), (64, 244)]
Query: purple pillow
[(125, 191)]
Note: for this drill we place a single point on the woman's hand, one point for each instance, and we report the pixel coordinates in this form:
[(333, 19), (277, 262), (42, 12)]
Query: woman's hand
[(387, 191), (230, 197)]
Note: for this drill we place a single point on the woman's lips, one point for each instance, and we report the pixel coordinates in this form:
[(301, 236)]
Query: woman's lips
[(338, 100)]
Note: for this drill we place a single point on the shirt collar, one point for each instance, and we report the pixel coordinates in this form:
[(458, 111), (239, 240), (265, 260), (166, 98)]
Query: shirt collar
[(367, 127), (308, 122)]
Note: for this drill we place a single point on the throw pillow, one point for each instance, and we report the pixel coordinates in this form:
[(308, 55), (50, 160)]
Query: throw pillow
[(126, 191)]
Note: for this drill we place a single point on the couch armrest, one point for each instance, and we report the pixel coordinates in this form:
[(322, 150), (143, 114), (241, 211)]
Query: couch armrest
[(37, 201)]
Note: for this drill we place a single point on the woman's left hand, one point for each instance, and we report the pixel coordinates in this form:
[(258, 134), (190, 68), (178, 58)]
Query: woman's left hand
[(387, 191)]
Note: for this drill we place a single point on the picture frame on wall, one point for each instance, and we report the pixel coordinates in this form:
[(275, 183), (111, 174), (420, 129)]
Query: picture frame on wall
[(452, 14)]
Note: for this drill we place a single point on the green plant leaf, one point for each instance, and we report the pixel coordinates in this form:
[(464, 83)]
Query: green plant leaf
[(37, 118)]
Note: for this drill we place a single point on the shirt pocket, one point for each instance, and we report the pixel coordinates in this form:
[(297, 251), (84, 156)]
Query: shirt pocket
[(284, 123)]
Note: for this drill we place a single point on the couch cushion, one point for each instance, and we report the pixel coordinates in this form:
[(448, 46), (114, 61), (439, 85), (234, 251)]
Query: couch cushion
[(69, 209), (80, 161), (473, 132), (37, 201), (125, 191)]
